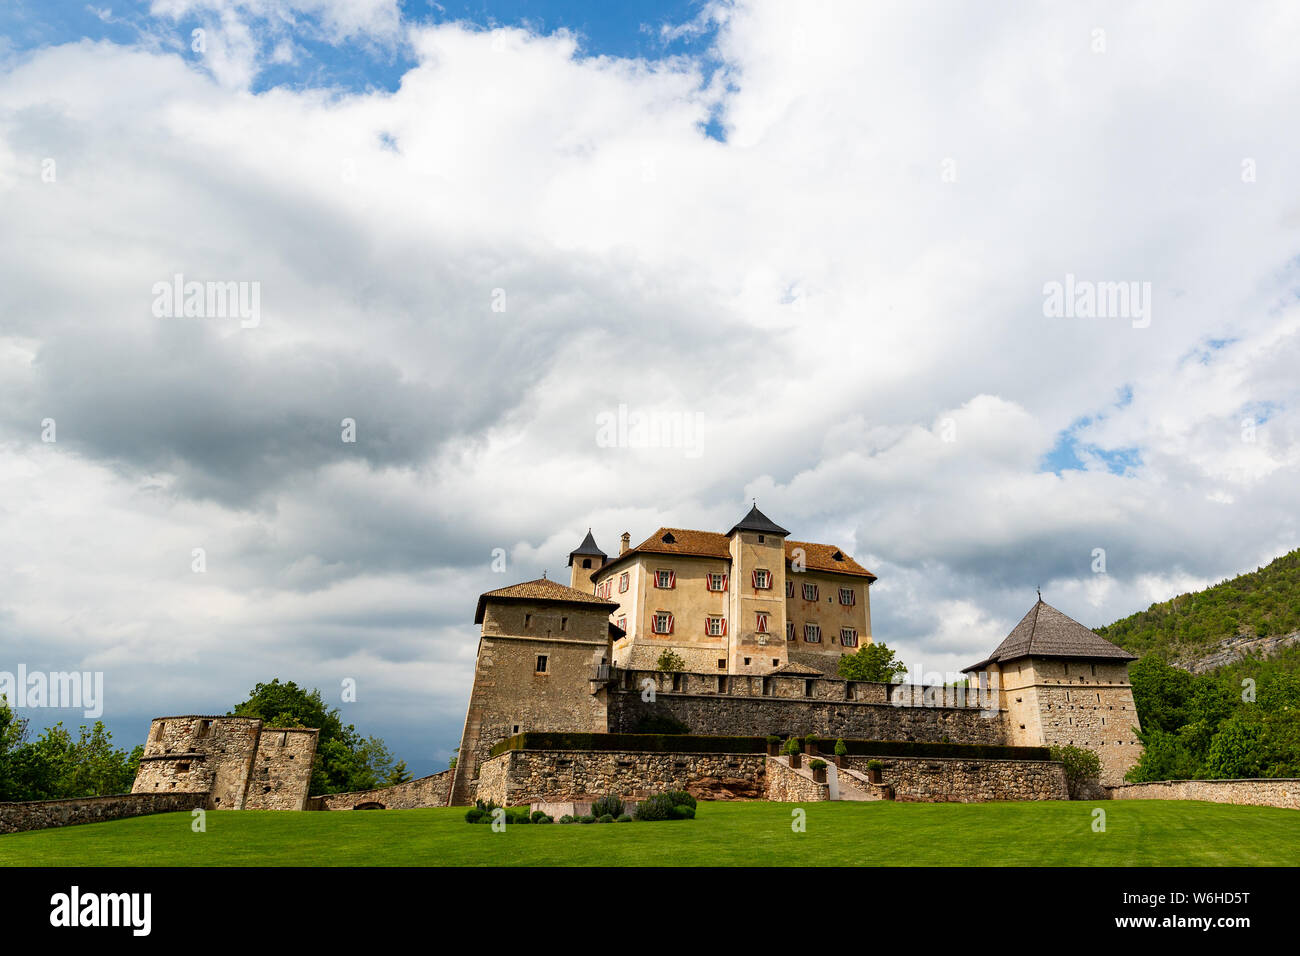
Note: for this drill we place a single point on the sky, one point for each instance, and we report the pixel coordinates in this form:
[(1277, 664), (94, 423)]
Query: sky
[(994, 297)]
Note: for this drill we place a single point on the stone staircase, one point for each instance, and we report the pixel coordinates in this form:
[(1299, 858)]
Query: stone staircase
[(855, 785)]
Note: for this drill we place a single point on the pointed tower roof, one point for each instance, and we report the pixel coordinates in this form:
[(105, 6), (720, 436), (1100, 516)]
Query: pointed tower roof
[(1046, 632), (587, 548), (757, 521)]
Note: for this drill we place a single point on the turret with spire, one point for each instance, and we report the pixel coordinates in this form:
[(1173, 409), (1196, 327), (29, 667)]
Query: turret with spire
[(583, 560)]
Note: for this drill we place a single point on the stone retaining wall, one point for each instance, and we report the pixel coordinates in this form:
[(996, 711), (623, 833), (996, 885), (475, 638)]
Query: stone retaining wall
[(960, 780), (42, 814), (519, 777), (431, 791), (786, 785), (1275, 792)]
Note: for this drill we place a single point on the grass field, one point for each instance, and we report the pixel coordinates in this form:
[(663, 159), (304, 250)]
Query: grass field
[(1138, 833)]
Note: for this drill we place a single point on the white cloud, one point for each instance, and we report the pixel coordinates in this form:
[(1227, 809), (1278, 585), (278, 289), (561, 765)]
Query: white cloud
[(864, 340)]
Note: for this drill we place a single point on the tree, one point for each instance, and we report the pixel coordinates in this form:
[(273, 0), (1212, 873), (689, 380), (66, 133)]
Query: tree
[(670, 661), (872, 662), (56, 766), (345, 760), (1082, 769)]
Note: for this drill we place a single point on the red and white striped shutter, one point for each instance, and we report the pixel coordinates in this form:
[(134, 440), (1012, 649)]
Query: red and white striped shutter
[(724, 581), (724, 627), (706, 625), (672, 579), (670, 623)]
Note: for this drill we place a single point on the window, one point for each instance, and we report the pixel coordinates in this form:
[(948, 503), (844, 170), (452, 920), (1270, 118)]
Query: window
[(789, 630), (848, 597), (622, 622), (622, 582), (789, 588), (603, 589), (528, 620), (586, 562), (564, 623), (204, 727), (715, 626), (810, 592), (663, 622), (760, 539), (666, 580), (761, 623), (183, 766), (717, 582), (762, 579), (848, 637), (812, 633), (541, 663), (722, 662)]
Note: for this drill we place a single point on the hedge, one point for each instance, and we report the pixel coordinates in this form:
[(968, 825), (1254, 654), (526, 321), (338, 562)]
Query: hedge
[(700, 743)]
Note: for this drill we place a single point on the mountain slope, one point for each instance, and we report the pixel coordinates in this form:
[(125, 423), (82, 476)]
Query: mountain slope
[(1257, 612)]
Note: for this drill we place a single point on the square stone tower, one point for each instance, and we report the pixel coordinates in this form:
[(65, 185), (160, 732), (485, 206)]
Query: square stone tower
[(1060, 684)]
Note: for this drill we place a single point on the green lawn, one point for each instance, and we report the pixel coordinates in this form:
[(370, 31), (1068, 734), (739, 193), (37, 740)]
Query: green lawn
[(1138, 833)]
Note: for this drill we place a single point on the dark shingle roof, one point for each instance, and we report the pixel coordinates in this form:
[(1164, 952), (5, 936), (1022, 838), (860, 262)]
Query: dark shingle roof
[(1046, 632), (543, 589), (588, 547), (757, 521)]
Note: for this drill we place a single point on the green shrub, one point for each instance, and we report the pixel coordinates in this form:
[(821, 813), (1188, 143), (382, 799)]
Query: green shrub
[(540, 815), (607, 806), (521, 817), (791, 746), (624, 819), (875, 765), (657, 807), (773, 739), (841, 750), (588, 819), (680, 798), (816, 764), (681, 813), (473, 815), (670, 662), (568, 818), (1082, 767), (605, 818)]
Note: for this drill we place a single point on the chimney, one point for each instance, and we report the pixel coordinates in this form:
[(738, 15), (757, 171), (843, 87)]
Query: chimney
[(624, 543)]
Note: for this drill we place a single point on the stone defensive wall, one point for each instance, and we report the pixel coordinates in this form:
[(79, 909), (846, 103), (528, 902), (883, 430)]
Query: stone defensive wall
[(430, 791), (799, 704), (42, 814), (1264, 792)]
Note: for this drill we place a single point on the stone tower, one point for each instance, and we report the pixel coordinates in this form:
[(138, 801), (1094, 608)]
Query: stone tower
[(757, 611), (1061, 684), (585, 560), (540, 655)]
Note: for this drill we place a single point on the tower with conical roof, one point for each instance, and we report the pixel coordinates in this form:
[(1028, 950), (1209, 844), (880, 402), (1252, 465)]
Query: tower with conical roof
[(757, 641), (1060, 684), (584, 560)]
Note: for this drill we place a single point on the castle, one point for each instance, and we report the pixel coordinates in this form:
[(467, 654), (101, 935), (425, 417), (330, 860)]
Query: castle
[(758, 623), (735, 637)]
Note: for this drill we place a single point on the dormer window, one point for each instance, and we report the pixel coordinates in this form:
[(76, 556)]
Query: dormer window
[(668, 538), (837, 556), (666, 580), (762, 579)]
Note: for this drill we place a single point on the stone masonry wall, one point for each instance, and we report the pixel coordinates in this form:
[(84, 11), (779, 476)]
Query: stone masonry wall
[(41, 814), (785, 785), (431, 791), (728, 713), (1276, 792), (526, 776), (198, 754), (281, 773), (960, 780)]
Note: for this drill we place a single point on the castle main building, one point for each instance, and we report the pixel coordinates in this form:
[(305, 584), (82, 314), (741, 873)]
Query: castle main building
[(750, 601)]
